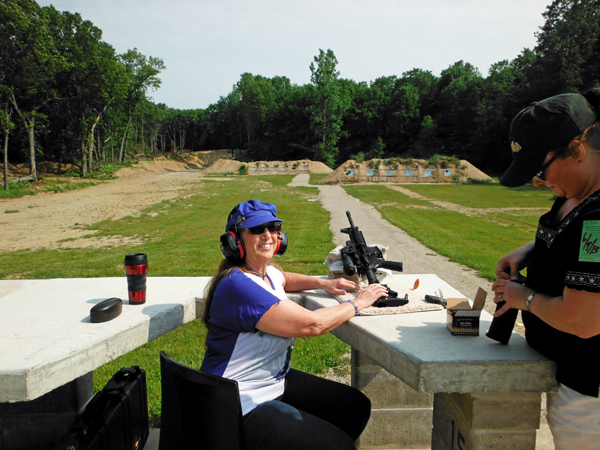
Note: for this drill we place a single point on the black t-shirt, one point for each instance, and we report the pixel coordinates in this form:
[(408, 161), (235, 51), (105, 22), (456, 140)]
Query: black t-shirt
[(567, 253)]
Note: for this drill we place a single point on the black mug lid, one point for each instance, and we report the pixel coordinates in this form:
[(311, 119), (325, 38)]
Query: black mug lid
[(136, 259)]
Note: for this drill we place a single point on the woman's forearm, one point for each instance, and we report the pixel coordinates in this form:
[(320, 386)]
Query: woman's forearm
[(298, 282), (575, 312)]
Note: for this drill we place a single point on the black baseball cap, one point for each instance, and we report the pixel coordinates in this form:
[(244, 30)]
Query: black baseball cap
[(542, 127)]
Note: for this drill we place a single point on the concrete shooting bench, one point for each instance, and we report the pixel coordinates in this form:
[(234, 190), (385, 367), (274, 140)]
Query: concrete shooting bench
[(49, 347), (485, 394), (474, 392)]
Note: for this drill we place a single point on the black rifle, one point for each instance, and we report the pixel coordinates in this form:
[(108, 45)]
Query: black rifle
[(358, 257)]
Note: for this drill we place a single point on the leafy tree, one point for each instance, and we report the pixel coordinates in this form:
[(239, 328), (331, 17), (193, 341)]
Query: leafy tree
[(177, 123), (458, 95), (153, 116), (377, 149), (5, 116), (495, 110), (30, 61), (141, 76), (328, 107), (226, 123), (257, 98), (363, 118), (92, 80), (427, 140), (403, 113), (288, 134), (567, 48), (7, 125)]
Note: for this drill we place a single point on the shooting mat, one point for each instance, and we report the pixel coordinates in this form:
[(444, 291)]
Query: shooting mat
[(416, 300), (416, 296)]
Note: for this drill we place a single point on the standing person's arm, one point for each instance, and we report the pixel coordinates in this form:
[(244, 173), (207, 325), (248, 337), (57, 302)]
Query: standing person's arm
[(509, 266), (576, 311)]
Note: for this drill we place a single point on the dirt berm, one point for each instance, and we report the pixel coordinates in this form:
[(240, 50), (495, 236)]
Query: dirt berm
[(397, 171), (232, 166)]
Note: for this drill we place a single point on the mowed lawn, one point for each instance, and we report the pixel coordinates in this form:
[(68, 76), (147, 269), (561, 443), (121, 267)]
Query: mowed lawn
[(493, 220)]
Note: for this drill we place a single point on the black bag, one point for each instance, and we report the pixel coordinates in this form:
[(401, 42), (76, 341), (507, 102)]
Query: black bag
[(116, 418)]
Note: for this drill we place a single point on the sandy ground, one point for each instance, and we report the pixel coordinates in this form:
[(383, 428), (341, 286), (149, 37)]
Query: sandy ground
[(56, 220), (52, 221), (47, 219)]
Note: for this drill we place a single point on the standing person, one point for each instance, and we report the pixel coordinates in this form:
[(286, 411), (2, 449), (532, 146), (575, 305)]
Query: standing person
[(251, 330), (557, 143)]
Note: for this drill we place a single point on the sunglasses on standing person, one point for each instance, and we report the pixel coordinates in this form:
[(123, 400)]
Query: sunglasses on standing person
[(541, 175)]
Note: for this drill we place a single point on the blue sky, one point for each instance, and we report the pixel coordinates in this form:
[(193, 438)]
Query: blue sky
[(207, 44)]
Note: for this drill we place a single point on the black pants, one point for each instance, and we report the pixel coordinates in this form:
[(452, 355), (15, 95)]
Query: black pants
[(313, 413)]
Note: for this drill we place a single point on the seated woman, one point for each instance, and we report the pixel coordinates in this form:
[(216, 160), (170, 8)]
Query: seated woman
[(251, 329)]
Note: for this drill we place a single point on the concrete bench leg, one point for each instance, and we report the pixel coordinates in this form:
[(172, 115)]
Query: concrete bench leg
[(400, 417), (41, 423), (478, 421)]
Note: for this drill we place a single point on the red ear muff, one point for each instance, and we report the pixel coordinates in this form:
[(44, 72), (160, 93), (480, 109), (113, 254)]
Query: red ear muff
[(282, 243), (232, 247)]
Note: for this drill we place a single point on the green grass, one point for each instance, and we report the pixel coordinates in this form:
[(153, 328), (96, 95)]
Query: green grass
[(181, 238), (477, 242), (471, 241), (101, 172), (315, 178), (59, 185), (104, 171), (17, 190), (487, 195), (381, 195)]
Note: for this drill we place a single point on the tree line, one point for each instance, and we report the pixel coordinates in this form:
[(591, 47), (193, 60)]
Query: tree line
[(65, 95), (74, 100)]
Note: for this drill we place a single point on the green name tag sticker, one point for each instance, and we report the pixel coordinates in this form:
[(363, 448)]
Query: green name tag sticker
[(589, 247)]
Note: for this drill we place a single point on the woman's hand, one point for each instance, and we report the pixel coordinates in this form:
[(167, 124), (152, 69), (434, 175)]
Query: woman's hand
[(338, 286), (370, 295), (514, 294), (576, 311), (508, 267)]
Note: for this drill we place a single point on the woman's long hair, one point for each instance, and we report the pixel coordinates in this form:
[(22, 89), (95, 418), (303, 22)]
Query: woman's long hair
[(225, 269)]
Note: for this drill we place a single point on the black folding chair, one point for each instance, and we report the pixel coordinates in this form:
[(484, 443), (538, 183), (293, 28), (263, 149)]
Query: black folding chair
[(199, 410)]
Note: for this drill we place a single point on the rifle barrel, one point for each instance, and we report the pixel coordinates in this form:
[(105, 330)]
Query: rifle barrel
[(350, 219)]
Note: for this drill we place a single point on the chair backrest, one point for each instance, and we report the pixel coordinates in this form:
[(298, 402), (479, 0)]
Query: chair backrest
[(199, 410)]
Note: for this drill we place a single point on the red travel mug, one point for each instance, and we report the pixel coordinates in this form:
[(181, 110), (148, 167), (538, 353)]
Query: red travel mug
[(136, 269)]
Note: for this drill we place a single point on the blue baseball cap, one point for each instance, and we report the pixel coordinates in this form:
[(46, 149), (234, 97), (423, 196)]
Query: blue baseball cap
[(251, 214)]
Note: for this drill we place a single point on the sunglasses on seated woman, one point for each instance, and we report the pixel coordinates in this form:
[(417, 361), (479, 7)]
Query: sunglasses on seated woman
[(260, 229)]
